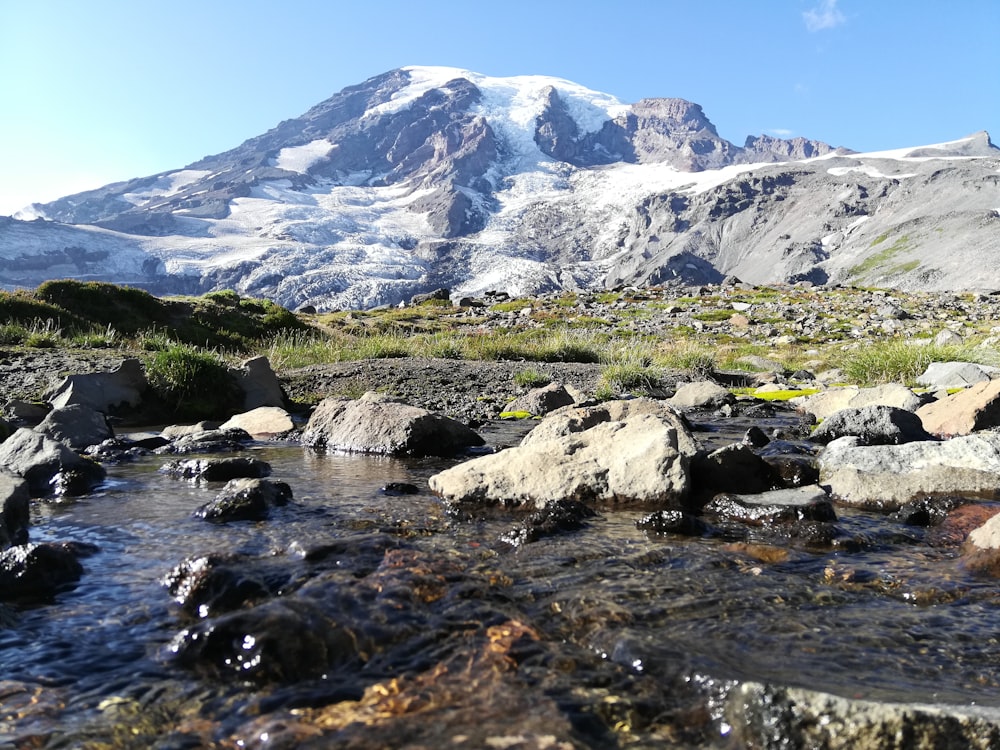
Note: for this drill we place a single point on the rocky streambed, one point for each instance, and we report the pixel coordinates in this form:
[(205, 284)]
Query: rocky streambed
[(694, 570)]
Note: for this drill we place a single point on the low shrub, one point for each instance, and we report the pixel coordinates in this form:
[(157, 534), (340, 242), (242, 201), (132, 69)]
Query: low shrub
[(193, 383)]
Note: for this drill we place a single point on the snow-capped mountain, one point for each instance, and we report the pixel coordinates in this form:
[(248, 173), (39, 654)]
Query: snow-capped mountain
[(428, 177)]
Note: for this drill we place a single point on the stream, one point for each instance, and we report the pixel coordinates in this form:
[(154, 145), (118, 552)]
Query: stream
[(607, 635)]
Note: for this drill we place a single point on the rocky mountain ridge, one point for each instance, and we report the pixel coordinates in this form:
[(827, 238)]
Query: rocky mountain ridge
[(428, 177)]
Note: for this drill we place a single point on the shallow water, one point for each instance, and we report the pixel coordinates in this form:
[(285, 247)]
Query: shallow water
[(660, 621)]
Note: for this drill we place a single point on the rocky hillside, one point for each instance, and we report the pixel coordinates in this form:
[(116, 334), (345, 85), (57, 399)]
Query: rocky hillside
[(437, 177)]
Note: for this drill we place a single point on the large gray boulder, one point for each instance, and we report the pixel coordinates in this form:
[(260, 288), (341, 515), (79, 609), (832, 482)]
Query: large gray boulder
[(827, 403), (975, 408), (884, 477), (76, 425), (102, 391), (571, 419), (955, 375), (636, 462), (260, 385), (702, 394), (379, 425), (48, 466), (540, 401), (872, 425)]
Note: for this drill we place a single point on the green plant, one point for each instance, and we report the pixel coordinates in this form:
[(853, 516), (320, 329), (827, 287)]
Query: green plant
[(531, 378), (192, 383), (899, 361), (43, 335)]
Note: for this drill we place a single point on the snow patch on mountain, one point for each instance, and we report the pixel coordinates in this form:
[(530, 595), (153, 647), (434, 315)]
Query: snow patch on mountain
[(301, 158), (166, 185)]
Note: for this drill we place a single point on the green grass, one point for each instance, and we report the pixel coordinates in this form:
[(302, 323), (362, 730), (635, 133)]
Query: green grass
[(193, 383), (882, 258), (897, 361)]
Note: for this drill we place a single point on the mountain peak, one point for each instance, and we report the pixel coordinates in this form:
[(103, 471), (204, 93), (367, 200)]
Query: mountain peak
[(424, 177)]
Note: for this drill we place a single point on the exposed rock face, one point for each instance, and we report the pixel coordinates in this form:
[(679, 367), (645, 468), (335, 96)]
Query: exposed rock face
[(76, 425), (428, 177), (14, 510), (828, 403), (872, 425)]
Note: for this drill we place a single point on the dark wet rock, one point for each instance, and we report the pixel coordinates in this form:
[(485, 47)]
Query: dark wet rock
[(928, 511), (49, 466), (375, 424), (218, 469), (208, 585), (15, 501), (976, 408), (208, 441), (765, 716), (574, 455), (540, 401), (281, 640), (245, 500), (399, 488), (755, 437), (778, 506), (38, 571), (106, 392), (76, 425), (672, 522), (884, 477), (733, 468), (560, 517), (872, 425), (793, 469)]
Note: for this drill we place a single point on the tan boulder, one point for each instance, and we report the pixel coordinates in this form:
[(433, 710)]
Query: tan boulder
[(975, 408), (262, 422)]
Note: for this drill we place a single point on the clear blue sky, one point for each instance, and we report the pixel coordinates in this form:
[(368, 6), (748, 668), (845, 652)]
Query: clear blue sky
[(95, 91)]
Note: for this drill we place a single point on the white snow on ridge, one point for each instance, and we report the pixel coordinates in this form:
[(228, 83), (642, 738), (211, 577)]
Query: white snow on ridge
[(511, 104), (166, 185), (301, 158)]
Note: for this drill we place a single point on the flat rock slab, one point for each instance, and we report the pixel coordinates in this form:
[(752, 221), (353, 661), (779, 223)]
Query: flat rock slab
[(955, 375), (884, 477), (262, 422), (777, 506)]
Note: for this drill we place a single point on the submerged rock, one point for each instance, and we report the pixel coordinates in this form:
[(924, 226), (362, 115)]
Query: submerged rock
[(218, 469), (208, 585), (39, 571), (281, 640), (778, 506), (245, 500), (379, 425)]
